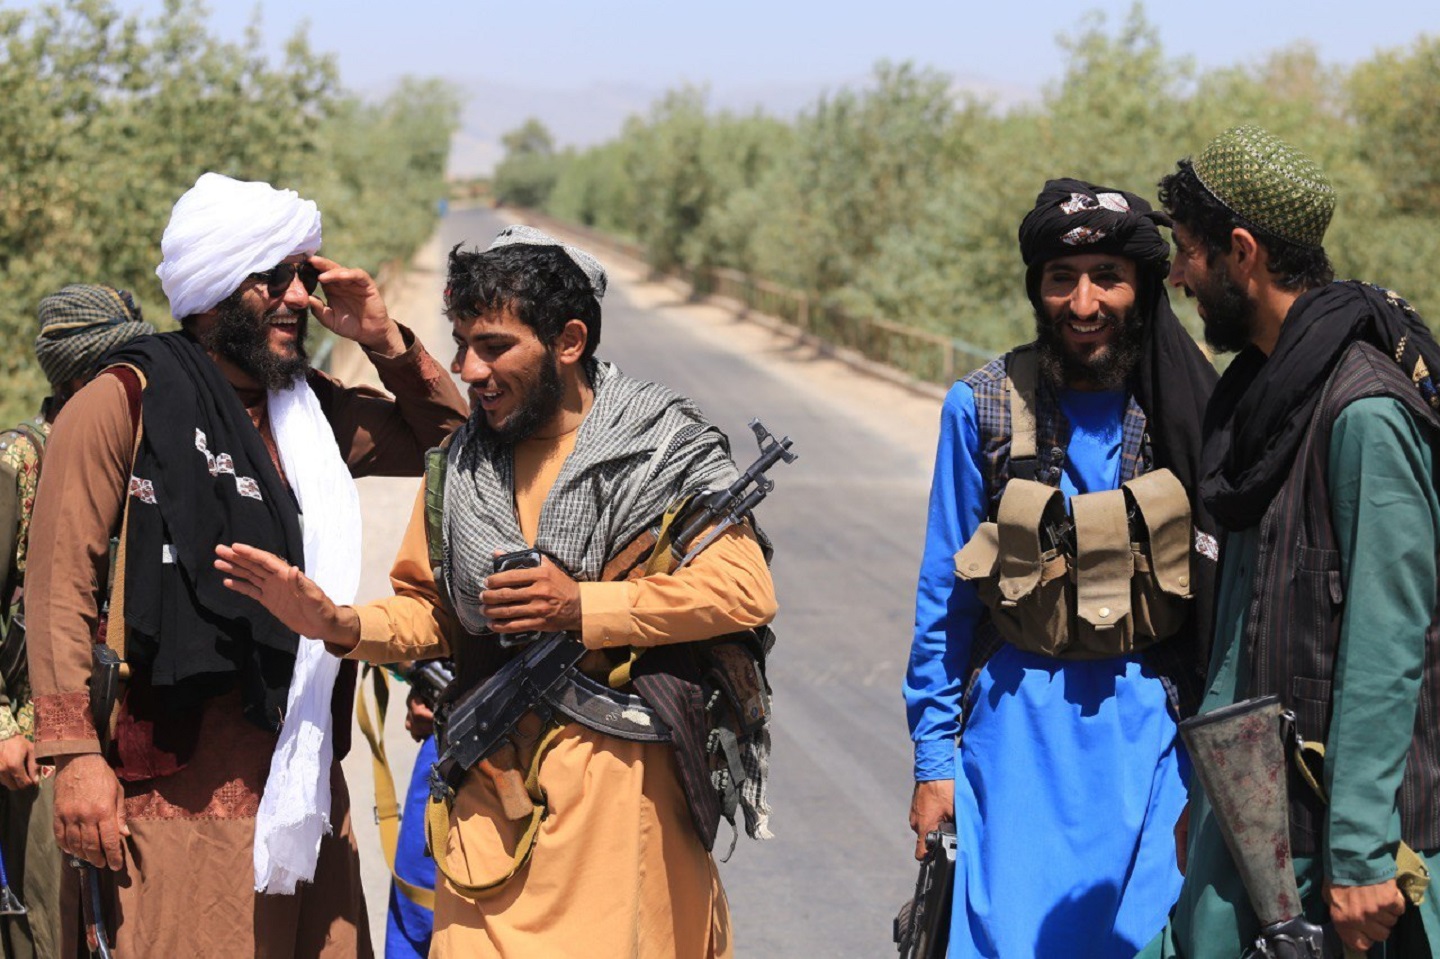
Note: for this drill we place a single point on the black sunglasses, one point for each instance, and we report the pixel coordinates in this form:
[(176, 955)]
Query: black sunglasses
[(279, 277)]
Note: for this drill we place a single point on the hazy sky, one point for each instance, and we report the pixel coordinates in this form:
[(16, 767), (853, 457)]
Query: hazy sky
[(584, 67), (743, 43)]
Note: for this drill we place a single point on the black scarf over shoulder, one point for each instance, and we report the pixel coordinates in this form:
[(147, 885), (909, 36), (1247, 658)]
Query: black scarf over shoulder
[(1172, 382), (199, 456), (1263, 405)]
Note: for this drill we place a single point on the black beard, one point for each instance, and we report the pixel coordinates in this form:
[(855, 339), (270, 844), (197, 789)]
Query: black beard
[(1229, 314), (539, 404), (242, 337), (1107, 371)]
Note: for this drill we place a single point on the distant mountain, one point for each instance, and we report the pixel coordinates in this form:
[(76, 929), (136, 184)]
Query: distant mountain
[(586, 116)]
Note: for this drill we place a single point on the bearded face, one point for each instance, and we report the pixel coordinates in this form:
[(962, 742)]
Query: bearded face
[(268, 345), (537, 393), (1089, 330), (1228, 314)]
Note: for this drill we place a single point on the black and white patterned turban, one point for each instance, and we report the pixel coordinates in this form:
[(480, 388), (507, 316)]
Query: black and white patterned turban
[(79, 324), (1072, 216)]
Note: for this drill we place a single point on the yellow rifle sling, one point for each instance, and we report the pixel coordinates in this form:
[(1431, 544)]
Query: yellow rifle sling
[(387, 809), (437, 827), (1412, 876), (661, 560)]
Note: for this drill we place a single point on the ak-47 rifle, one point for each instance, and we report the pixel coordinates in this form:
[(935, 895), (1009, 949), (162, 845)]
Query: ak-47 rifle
[(1238, 754), (922, 928), (106, 673), (479, 723)]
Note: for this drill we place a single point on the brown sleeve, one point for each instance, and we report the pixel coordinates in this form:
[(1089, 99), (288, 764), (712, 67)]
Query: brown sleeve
[(78, 503), (725, 589), (414, 623), (381, 436)]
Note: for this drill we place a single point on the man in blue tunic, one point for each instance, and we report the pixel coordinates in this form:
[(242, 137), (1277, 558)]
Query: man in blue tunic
[(1070, 775)]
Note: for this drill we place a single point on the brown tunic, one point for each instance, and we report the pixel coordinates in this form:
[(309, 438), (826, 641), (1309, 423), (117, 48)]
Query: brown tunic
[(188, 885), (617, 869)]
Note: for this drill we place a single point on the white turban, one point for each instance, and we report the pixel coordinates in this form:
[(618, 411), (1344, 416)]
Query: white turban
[(222, 230)]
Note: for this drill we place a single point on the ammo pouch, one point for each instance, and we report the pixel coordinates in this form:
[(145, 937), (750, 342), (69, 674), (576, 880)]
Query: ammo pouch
[(1118, 585)]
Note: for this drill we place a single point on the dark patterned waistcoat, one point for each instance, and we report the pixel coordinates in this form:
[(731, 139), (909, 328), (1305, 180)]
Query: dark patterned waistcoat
[(1292, 626)]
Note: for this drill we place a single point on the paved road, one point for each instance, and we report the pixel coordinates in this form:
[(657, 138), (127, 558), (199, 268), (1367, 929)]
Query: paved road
[(847, 521)]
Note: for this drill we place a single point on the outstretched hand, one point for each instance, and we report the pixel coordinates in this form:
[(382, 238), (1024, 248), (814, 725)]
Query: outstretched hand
[(353, 308), (289, 595)]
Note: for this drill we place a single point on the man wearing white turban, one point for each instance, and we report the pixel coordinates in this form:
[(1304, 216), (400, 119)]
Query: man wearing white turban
[(217, 796)]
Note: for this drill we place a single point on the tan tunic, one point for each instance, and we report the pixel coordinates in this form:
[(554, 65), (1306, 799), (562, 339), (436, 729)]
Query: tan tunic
[(617, 869), (188, 885)]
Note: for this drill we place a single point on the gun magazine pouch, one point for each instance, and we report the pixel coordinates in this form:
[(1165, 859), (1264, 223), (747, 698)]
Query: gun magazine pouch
[(1122, 586)]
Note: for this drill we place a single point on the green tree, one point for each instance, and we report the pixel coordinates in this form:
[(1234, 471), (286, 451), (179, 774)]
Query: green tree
[(530, 168), (108, 119)]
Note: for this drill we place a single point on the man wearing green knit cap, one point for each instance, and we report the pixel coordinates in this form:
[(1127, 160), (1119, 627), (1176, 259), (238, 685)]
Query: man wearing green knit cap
[(1320, 469)]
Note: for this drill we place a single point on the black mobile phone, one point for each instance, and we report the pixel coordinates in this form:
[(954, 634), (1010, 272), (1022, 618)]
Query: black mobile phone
[(520, 559)]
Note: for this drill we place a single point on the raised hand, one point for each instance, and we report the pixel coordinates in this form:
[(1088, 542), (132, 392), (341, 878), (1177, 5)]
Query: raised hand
[(289, 595), (354, 309)]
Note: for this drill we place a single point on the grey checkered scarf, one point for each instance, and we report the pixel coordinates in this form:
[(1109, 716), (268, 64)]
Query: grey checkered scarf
[(640, 448)]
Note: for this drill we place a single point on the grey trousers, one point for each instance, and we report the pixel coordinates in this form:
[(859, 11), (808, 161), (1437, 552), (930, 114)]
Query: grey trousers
[(34, 865)]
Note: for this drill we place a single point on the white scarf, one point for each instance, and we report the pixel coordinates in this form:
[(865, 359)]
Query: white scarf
[(295, 807)]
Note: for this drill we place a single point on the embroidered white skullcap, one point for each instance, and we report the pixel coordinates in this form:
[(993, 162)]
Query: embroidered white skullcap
[(222, 230), (528, 235)]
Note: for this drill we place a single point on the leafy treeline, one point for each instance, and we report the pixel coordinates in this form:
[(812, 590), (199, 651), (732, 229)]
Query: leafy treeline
[(106, 119), (901, 200)]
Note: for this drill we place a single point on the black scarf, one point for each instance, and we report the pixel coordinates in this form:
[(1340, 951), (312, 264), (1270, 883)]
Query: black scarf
[(1174, 379), (193, 634), (1263, 405), (1172, 382)]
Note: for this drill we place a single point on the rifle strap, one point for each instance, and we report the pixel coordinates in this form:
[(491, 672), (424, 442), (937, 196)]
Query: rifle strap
[(387, 808), (661, 560), (437, 465), (1412, 876), (1022, 378), (134, 384), (437, 826)]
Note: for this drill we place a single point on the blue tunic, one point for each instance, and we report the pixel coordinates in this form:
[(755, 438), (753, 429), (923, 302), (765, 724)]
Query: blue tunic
[(1072, 771), (408, 927)]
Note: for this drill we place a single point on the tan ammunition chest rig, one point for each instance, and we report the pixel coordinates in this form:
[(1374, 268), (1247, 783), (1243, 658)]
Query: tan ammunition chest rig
[(1125, 585)]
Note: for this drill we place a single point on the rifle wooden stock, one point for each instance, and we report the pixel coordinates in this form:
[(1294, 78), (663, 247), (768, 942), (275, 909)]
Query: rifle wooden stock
[(502, 766)]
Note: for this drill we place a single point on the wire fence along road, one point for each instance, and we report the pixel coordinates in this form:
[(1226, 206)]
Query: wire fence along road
[(847, 520)]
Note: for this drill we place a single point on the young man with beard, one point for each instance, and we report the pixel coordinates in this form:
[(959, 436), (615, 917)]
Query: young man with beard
[(222, 777), (1067, 774), (1320, 470), (565, 454)]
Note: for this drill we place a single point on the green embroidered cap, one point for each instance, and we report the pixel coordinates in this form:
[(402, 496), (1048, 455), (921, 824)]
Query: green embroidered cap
[(1265, 180)]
